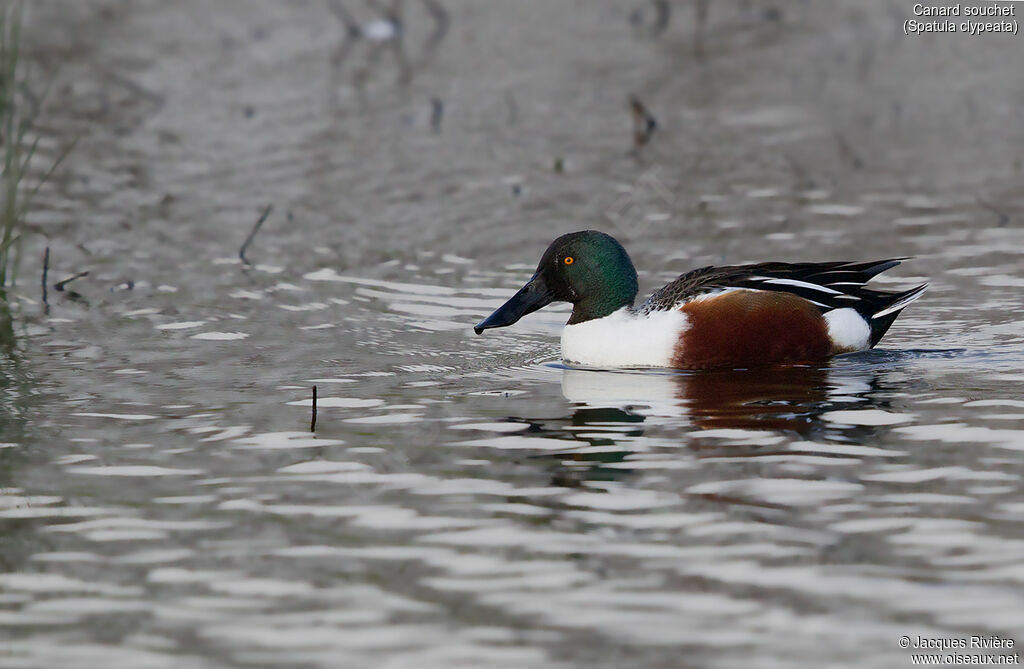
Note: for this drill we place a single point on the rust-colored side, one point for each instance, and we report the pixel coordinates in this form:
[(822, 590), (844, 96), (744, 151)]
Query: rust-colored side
[(751, 328)]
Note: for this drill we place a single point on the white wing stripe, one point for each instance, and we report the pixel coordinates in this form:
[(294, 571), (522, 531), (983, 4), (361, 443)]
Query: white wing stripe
[(800, 284)]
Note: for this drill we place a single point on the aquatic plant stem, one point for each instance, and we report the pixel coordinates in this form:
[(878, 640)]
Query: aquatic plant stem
[(46, 270), (256, 228), (312, 420), (19, 107)]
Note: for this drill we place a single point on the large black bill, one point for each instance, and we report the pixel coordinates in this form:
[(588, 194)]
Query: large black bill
[(531, 297)]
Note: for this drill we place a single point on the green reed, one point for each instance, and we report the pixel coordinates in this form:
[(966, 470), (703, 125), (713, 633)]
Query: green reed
[(19, 109)]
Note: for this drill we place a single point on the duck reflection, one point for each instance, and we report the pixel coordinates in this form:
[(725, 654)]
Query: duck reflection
[(613, 409), (784, 398), (787, 398)]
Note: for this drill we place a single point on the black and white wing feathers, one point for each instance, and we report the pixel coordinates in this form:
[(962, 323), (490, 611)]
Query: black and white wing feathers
[(831, 285)]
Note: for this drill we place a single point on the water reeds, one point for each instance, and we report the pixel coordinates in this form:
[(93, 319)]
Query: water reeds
[(19, 109)]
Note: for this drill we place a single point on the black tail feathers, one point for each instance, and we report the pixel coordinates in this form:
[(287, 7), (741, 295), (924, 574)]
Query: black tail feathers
[(881, 309)]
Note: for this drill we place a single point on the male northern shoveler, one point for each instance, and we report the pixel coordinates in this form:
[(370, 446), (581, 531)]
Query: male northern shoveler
[(712, 317)]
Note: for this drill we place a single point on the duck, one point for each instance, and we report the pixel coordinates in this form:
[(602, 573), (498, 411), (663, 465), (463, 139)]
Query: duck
[(738, 316)]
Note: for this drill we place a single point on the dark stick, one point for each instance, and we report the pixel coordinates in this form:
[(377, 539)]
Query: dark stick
[(512, 108), (438, 13), (644, 123), (312, 421), (1003, 219), (46, 270), (800, 171), (136, 88), (436, 114), (847, 152), (339, 11), (701, 8), (663, 14), (59, 286), (256, 228)]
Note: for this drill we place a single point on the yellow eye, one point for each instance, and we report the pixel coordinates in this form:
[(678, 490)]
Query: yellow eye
[(568, 260)]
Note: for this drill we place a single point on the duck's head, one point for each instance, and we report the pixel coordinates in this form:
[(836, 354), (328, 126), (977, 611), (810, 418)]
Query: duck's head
[(588, 268)]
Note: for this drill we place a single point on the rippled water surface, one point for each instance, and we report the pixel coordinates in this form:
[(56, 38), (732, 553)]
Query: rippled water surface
[(469, 501)]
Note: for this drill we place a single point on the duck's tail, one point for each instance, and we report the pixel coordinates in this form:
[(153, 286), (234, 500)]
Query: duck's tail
[(881, 309)]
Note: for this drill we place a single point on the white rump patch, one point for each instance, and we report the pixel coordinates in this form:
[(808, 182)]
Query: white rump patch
[(624, 339), (848, 330)]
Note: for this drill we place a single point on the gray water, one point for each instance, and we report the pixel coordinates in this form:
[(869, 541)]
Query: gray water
[(468, 501)]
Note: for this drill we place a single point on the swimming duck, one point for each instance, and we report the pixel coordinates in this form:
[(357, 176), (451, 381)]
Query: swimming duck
[(712, 317)]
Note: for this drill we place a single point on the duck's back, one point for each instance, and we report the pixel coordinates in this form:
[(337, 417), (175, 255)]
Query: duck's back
[(745, 316)]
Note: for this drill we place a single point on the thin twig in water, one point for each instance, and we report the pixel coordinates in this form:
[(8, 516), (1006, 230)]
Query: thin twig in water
[(312, 420), (137, 89), (806, 181), (644, 123), (256, 228), (436, 114), (343, 15), (512, 109), (49, 173), (438, 13), (59, 286), (662, 15), (46, 270), (1004, 218), (847, 152), (434, 39), (701, 8)]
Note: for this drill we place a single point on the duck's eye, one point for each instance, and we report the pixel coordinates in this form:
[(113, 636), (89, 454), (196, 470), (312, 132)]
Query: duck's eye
[(568, 260)]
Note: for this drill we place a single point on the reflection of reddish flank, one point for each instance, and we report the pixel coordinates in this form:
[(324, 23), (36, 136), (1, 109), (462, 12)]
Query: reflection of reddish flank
[(751, 328)]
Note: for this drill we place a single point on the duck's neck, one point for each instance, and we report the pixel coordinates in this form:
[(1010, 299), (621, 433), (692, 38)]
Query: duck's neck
[(606, 302)]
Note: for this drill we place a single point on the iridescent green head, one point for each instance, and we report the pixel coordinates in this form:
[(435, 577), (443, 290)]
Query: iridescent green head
[(589, 269)]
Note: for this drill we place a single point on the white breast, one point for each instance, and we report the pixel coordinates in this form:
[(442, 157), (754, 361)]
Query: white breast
[(624, 339)]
